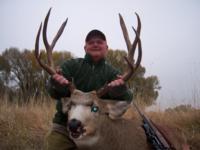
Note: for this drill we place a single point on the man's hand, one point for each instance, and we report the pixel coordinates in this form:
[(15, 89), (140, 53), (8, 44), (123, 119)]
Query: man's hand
[(58, 77), (118, 82)]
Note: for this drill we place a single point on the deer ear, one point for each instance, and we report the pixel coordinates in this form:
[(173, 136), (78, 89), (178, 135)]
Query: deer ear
[(66, 104), (117, 109)]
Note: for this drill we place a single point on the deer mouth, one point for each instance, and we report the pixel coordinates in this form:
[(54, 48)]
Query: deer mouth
[(77, 134)]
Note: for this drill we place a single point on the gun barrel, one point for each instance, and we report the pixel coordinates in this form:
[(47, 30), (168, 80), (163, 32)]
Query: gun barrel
[(154, 136)]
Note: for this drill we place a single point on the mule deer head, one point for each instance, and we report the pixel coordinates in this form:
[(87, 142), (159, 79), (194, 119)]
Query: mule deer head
[(86, 112)]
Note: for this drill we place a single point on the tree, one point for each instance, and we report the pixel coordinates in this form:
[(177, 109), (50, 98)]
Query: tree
[(145, 89), (4, 70), (24, 75)]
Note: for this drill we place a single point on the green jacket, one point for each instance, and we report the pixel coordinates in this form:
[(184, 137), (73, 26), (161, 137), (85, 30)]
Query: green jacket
[(86, 76)]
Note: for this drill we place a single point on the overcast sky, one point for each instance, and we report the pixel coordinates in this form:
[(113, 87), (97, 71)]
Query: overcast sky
[(170, 35)]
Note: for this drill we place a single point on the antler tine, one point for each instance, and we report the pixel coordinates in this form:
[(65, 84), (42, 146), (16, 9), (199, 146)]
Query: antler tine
[(132, 52), (37, 42), (49, 48), (125, 32), (137, 64), (38, 55), (60, 31), (46, 43)]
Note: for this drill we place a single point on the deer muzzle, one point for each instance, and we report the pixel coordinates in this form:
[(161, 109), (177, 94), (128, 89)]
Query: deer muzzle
[(75, 128)]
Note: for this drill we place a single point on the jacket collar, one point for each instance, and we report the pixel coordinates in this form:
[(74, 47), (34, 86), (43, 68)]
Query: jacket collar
[(88, 59)]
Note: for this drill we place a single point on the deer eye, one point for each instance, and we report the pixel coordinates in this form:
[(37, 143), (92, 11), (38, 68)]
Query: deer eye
[(94, 109)]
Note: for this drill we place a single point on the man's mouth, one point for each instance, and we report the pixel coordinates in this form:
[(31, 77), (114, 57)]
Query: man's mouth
[(96, 49)]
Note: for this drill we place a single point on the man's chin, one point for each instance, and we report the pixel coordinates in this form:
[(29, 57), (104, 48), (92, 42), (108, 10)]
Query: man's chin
[(97, 58)]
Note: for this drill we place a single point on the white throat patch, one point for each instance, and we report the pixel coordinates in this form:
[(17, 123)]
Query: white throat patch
[(89, 141)]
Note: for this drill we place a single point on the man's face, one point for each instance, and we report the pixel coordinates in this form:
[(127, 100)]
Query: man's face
[(97, 48)]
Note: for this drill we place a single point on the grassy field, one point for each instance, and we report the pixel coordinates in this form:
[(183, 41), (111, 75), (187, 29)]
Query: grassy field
[(25, 127), (184, 123)]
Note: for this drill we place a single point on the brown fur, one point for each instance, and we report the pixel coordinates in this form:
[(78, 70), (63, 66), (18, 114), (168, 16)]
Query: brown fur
[(120, 134)]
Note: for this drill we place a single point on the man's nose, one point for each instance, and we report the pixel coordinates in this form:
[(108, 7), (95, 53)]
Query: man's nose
[(95, 44), (74, 125)]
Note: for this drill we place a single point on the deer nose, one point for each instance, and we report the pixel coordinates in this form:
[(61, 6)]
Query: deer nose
[(74, 125)]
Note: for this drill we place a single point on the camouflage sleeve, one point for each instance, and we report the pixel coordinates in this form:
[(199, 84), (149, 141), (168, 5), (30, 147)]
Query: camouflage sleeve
[(57, 91), (121, 92)]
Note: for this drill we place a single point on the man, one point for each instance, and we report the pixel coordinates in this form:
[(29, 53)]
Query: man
[(87, 74)]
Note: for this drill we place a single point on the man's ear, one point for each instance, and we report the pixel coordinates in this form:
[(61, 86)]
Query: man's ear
[(106, 50), (85, 48)]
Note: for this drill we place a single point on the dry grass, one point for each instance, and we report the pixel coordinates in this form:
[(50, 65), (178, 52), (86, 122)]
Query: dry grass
[(184, 124), (25, 127)]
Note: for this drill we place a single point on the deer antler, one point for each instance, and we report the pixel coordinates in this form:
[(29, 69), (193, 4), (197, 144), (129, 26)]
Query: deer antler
[(49, 48), (132, 66), (131, 48)]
